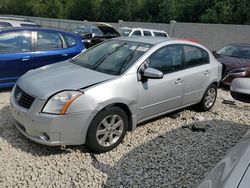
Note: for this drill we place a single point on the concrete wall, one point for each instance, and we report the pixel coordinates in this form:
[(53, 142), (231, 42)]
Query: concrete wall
[(213, 36)]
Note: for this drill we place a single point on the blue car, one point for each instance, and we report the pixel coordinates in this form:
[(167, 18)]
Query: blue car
[(23, 49)]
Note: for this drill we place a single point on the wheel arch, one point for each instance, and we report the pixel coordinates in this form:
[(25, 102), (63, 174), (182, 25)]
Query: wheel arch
[(126, 109)]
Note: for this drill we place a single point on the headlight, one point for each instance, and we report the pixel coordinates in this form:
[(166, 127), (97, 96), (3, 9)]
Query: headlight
[(238, 70), (60, 102)]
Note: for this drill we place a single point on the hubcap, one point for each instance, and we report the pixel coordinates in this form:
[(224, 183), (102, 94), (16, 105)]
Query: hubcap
[(109, 130), (210, 97)]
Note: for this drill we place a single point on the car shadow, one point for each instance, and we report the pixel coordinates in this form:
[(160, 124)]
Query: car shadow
[(10, 134), (179, 158)]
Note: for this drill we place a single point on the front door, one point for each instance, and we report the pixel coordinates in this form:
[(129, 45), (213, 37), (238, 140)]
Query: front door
[(161, 95)]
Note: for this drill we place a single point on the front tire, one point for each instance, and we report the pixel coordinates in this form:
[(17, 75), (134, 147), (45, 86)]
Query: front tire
[(208, 99), (107, 130)]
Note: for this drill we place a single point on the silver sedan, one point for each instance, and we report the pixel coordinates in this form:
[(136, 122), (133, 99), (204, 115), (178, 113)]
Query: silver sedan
[(96, 97)]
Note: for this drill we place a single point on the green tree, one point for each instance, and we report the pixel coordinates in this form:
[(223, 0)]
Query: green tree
[(84, 10), (48, 8)]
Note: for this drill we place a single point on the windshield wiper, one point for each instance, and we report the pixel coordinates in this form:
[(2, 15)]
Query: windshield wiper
[(128, 58), (102, 59)]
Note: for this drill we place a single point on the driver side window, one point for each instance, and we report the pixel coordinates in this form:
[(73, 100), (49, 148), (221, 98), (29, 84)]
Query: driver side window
[(167, 59)]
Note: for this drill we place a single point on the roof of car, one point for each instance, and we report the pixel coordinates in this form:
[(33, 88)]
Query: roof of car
[(145, 29), (147, 40), (14, 18), (17, 21), (9, 29)]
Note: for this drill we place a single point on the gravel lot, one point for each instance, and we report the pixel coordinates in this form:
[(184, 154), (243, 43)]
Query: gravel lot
[(166, 152)]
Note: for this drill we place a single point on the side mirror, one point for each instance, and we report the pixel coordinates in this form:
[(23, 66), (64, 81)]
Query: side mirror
[(216, 55), (88, 36), (151, 73), (240, 89)]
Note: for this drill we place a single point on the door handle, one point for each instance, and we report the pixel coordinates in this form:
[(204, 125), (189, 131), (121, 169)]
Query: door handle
[(65, 55), (178, 81), (25, 58), (207, 72)]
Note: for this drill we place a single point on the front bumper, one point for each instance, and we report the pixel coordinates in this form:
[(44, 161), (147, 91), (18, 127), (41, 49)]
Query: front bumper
[(228, 79), (49, 129)]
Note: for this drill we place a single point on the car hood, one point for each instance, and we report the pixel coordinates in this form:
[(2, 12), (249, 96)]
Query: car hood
[(48, 80), (233, 62)]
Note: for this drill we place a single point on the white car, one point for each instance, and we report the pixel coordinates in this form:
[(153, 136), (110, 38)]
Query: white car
[(128, 32), (16, 22)]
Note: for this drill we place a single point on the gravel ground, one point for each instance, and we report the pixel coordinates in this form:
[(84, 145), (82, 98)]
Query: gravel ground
[(165, 152)]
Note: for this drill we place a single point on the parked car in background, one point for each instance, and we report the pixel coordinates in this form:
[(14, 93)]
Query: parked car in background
[(16, 22), (128, 32), (22, 49), (96, 33), (233, 171), (100, 94), (236, 61)]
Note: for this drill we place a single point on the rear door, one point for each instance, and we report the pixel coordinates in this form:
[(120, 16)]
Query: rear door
[(16, 55), (50, 48), (196, 75)]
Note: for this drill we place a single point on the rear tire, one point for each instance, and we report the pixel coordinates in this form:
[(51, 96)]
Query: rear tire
[(208, 99), (107, 130)]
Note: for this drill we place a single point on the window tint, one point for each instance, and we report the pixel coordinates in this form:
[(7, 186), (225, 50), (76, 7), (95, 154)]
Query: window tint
[(147, 33), (159, 34), (136, 33), (195, 56), (5, 24), (15, 42), (167, 59), (70, 41), (48, 41)]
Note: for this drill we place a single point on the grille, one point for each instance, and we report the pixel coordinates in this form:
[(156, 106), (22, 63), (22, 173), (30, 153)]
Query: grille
[(22, 98)]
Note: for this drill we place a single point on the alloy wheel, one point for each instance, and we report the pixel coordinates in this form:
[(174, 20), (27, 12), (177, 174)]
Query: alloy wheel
[(109, 130)]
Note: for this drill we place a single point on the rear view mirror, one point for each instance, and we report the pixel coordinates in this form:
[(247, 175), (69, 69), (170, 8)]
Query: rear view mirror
[(240, 89), (152, 73)]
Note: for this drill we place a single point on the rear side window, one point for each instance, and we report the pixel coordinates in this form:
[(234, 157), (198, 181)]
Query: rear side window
[(70, 40), (136, 33), (15, 42), (5, 24), (48, 41), (159, 34), (167, 59), (195, 56), (147, 33)]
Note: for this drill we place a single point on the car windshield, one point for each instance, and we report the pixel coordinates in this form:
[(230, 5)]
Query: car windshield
[(236, 51), (78, 29), (125, 32), (112, 57)]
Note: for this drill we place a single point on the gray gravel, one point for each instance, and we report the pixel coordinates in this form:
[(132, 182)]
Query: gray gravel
[(173, 151)]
